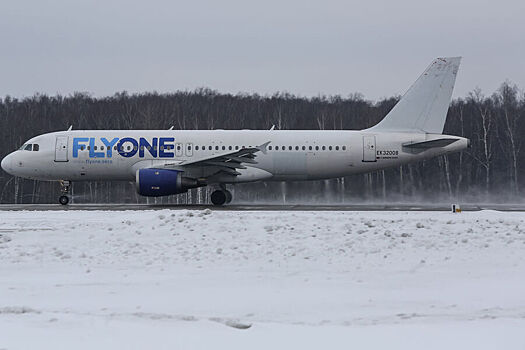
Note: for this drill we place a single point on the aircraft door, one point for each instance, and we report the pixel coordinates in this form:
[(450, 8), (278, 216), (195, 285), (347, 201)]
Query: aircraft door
[(179, 149), (369, 148), (189, 149), (61, 149)]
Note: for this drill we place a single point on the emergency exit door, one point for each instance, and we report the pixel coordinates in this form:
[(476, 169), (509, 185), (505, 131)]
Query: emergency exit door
[(179, 151), (61, 149), (369, 148)]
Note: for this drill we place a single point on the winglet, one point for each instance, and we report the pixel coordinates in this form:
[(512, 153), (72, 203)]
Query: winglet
[(264, 147)]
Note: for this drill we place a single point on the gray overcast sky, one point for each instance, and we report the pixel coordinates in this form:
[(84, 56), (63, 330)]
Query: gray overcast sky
[(307, 48)]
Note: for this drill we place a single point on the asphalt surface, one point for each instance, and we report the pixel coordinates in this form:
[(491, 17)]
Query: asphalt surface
[(267, 207)]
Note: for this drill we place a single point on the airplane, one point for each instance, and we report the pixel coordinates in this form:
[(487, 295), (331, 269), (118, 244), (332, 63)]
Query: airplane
[(169, 162)]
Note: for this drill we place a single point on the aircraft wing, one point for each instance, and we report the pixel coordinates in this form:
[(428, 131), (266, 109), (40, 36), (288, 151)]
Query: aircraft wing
[(227, 162)]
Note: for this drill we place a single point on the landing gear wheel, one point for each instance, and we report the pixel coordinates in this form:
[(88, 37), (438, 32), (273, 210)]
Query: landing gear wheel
[(228, 196), (65, 186), (63, 200), (218, 197)]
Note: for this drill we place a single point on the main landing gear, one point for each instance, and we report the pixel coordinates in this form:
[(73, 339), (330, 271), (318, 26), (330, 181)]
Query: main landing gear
[(221, 197), (64, 188)]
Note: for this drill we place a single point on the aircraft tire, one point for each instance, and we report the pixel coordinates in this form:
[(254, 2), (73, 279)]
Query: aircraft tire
[(64, 200), (218, 197), (229, 196)]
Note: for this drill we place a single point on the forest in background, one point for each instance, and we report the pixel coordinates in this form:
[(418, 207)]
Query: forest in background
[(492, 170)]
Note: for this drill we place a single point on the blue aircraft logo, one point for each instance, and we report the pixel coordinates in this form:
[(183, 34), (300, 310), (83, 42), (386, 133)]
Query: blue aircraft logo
[(126, 147)]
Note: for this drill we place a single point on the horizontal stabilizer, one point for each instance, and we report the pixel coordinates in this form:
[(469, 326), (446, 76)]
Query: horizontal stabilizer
[(431, 143)]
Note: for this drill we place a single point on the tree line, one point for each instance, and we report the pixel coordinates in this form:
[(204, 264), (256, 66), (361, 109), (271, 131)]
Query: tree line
[(491, 170)]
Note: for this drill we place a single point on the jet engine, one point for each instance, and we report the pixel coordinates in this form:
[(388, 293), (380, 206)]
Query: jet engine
[(153, 182)]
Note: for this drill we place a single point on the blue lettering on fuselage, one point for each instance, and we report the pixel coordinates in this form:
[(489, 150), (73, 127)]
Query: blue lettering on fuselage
[(92, 153), (77, 145), (163, 146), (109, 145), (126, 147), (152, 148)]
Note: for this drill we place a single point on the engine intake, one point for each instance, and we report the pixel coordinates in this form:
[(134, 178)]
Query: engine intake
[(153, 182)]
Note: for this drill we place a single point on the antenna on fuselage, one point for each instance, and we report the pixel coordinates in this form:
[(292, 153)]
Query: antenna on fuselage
[(273, 127), (171, 127), (70, 128)]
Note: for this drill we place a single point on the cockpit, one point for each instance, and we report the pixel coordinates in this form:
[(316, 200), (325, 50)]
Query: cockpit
[(30, 147)]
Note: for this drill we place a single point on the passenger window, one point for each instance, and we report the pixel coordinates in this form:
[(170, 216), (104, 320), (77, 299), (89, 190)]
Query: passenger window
[(28, 147), (304, 148), (230, 148), (84, 147), (276, 148), (115, 148), (236, 148), (209, 148), (310, 148), (344, 148), (296, 148), (290, 148), (270, 148), (329, 148), (324, 148), (36, 147), (223, 148), (189, 147), (337, 148), (95, 148)]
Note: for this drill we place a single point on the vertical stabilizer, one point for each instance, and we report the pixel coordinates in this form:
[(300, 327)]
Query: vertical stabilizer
[(424, 106)]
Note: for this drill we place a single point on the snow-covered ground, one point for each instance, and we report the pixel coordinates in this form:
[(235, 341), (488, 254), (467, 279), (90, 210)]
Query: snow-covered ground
[(261, 280)]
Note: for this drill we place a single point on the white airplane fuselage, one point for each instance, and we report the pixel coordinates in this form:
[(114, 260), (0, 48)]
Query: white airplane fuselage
[(290, 155), (166, 162)]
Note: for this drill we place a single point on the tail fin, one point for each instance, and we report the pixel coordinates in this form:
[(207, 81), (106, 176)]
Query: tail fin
[(424, 106)]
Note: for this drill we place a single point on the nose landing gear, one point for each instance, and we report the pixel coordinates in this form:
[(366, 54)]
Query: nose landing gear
[(221, 197), (64, 188)]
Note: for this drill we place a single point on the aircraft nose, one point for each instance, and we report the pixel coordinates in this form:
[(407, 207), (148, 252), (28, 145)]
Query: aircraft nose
[(6, 163)]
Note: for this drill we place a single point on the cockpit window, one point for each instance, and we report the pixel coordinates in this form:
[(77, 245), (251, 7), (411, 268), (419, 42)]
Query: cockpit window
[(29, 147)]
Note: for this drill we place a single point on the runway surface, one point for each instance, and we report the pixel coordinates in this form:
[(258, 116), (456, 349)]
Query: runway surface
[(267, 207)]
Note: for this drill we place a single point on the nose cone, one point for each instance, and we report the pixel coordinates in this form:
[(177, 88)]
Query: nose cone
[(6, 163)]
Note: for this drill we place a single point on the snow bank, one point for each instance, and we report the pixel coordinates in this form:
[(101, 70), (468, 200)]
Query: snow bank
[(194, 279)]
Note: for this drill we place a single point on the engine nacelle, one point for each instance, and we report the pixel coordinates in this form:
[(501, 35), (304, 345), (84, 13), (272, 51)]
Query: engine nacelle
[(153, 182)]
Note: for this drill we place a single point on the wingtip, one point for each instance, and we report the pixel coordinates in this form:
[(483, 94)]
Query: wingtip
[(264, 147)]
